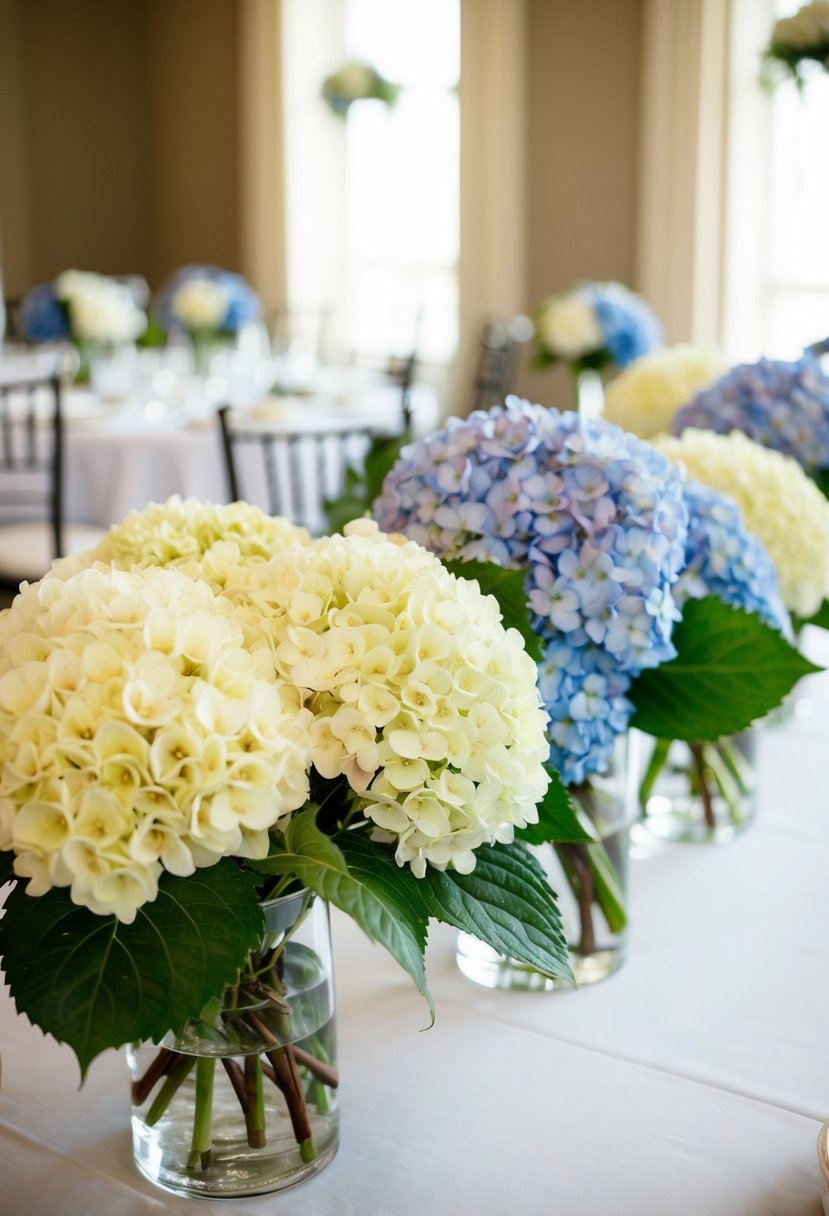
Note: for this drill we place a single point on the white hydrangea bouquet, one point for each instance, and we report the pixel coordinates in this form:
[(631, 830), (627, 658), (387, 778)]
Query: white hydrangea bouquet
[(93, 311), (647, 395), (210, 710), (797, 43)]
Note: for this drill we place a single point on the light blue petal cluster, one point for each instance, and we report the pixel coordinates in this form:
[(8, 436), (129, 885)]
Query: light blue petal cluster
[(784, 406), (629, 326), (597, 518), (41, 317), (725, 559), (243, 302)]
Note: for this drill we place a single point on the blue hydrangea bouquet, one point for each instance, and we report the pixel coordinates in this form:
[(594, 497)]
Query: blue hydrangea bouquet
[(650, 603), (594, 326), (207, 303), (781, 405)]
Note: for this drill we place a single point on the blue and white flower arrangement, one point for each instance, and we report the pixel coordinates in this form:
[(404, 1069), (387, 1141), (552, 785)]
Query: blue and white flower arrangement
[(600, 529), (598, 520), (206, 300), (83, 307), (595, 325), (723, 558), (781, 405)]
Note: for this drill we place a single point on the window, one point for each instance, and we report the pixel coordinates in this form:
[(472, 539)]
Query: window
[(373, 199), (777, 260)]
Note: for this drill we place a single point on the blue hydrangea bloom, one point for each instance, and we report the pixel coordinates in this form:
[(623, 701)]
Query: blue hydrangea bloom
[(784, 406), (243, 302), (725, 559), (42, 318), (628, 325), (597, 518)]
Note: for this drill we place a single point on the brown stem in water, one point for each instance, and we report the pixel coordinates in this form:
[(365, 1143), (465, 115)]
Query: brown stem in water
[(580, 862), (286, 1077), (322, 1071), (143, 1087), (698, 754), (237, 1080)]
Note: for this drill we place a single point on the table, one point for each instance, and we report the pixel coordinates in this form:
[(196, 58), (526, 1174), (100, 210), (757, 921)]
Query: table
[(120, 455), (692, 1083)]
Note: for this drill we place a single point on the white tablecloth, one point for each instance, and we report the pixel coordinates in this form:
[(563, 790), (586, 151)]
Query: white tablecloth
[(692, 1083), (118, 460)]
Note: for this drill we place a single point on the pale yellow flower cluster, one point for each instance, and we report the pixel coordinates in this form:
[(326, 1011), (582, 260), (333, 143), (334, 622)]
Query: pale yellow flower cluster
[(138, 733), (156, 717), (203, 539), (645, 397), (779, 503), (420, 696)]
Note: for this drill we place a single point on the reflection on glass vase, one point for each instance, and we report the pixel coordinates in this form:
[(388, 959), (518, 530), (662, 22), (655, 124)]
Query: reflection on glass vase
[(244, 1101), (591, 883), (699, 792)]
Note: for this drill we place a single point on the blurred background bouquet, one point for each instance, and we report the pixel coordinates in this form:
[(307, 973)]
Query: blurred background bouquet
[(798, 42), (595, 326), (357, 80)]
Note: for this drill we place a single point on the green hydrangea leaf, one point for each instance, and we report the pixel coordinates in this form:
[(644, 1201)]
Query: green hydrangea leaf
[(507, 902), (95, 983), (731, 669), (508, 588), (560, 818), (351, 874)]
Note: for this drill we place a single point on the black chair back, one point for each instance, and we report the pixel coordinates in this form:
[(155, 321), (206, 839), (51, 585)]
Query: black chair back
[(31, 454), (494, 367), (299, 467)]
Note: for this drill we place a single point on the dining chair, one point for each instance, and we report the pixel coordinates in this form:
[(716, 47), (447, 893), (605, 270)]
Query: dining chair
[(296, 468), (33, 530), (496, 358)]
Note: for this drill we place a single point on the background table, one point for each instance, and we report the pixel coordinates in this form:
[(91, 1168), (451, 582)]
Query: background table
[(692, 1083)]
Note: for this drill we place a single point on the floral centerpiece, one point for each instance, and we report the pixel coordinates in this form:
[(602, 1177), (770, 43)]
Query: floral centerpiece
[(598, 524), (357, 81), (778, 502), (90, 310), (780, 404), (797, 42), (594, 326), (645, 397), (200, 722), (209, 304)]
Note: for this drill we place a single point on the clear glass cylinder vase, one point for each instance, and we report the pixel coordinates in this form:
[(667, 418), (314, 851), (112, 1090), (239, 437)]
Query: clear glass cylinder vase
[(591, 882), (695, 792), (244, 1100)]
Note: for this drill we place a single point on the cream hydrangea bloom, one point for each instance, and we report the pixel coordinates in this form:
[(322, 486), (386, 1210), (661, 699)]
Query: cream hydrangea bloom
[(137, 733), (568, 327), (780, 504), (200, 303), (645, 396), (203, 539), (420, 696)]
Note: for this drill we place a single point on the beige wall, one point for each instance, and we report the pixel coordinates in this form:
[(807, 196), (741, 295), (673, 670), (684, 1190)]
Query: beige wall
[(77, 152), (192, 210), (582, 135), (118, 136)]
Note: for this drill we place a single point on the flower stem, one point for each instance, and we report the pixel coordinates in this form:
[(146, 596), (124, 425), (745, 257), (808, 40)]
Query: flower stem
[(177, 1074), (576, 865), (237, 1080), (143, 1087), (255, 1113), (200, 1151), (698, 753), (658, 760)]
